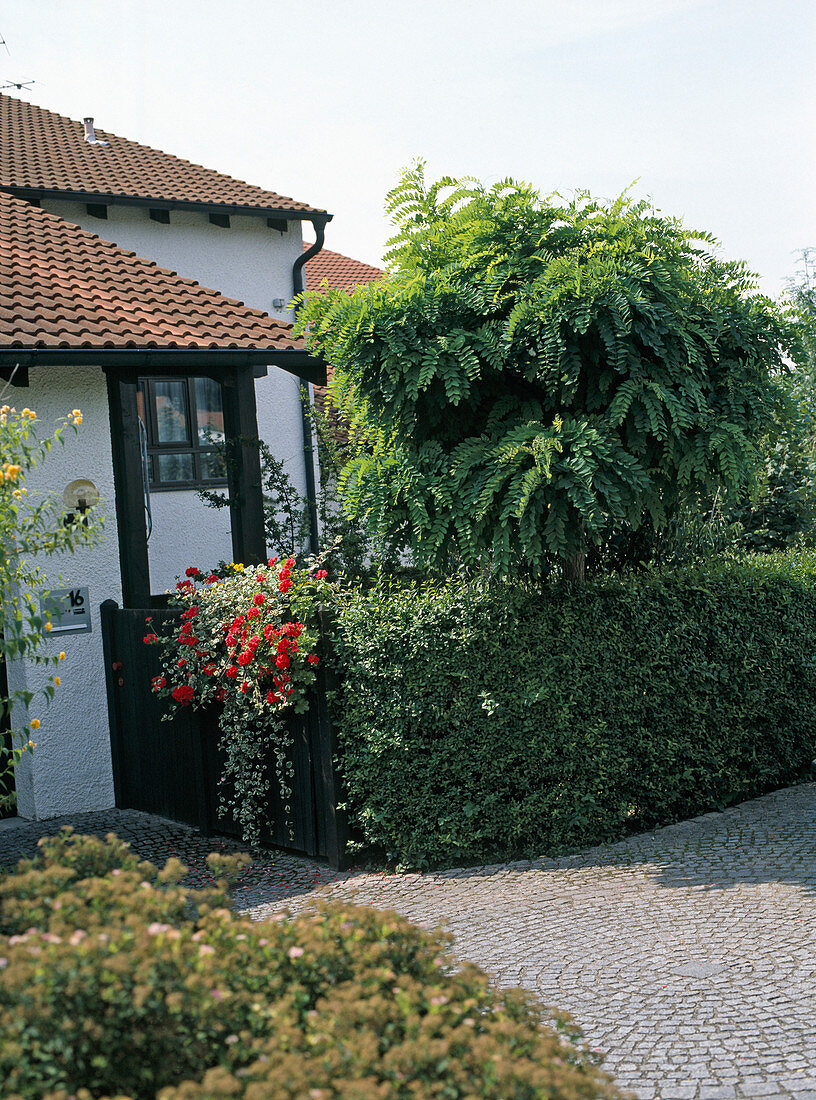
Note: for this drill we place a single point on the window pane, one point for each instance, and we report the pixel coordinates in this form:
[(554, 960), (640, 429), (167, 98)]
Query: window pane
[(174, 467), (210, 411), (212, 466), (171, 411)]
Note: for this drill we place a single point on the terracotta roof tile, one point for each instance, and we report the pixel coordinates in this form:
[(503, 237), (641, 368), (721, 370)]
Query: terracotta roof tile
[(337, 270), (43, 151), (61, 286)]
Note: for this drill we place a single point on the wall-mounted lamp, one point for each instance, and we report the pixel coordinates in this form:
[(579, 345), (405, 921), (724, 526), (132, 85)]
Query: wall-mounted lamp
[(79, 496)]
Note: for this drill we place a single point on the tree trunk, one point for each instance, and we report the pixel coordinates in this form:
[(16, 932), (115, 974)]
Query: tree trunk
[(575, 568)]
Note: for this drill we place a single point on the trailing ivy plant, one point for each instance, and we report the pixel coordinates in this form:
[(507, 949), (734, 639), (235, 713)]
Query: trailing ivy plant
[(247, 642), (536, 373)]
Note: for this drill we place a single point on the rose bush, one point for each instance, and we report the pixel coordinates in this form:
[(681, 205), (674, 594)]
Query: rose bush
[(247, 641)]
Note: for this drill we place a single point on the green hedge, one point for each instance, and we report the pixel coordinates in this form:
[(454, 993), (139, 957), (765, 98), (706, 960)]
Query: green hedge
[(482, 725), (117, 982)]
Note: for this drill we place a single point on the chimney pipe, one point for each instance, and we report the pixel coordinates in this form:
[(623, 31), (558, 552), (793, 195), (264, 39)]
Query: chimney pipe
[(90, 134)]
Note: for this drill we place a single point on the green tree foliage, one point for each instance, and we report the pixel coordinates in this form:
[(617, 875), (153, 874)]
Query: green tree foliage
[(536, 373), (782, 511)]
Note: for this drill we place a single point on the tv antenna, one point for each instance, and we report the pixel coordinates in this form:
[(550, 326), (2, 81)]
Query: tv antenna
[(4, 43), (22, 86)]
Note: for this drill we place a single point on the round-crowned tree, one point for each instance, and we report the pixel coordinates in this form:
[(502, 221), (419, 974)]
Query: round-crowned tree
[(535, 373)]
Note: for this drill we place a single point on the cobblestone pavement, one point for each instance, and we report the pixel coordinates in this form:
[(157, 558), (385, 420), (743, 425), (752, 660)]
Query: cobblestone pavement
[(278, 878), (686, 954)]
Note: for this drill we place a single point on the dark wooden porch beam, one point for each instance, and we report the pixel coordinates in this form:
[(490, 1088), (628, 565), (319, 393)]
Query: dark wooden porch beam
[(244, 467), (129, 486)]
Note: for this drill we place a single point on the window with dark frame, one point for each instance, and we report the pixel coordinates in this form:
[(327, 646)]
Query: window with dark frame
[(184, 418)]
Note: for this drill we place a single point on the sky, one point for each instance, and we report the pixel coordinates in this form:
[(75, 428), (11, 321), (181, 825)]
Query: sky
[(706, 106)]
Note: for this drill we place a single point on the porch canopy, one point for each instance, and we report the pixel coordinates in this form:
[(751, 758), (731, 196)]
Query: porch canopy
[(67, 297)]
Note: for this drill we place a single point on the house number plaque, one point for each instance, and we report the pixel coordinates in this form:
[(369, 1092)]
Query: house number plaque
[(70, 610)]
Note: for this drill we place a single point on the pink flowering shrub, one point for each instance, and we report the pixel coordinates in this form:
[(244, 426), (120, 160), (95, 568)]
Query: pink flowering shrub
[(122, 983), (246, 641)]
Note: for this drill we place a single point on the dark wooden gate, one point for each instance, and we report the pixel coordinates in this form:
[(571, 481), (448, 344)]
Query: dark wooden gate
[(172, 767)]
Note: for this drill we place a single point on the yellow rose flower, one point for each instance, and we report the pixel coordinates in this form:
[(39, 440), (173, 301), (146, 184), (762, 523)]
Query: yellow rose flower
[(56, 680), (48, 627), (35, 723), (62, 655)]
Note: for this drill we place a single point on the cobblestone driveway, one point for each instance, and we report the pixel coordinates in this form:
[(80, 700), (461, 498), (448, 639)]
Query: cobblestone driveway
[(687, 954)]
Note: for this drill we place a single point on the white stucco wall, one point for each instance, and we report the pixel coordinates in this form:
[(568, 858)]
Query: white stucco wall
[(70, 770), (185, 532), (250, 262)]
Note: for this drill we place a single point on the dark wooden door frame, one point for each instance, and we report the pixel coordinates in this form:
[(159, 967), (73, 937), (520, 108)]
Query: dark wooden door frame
[(245, 490)]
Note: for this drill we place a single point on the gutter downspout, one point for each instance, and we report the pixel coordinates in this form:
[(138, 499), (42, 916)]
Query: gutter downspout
[(308, 448)]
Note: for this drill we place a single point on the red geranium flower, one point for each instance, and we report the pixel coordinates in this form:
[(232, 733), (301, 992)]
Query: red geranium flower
[(191, 571), (285, 584), (232, 672), (321, 574), (259, 599), (313, 659), (149, 639), (183, 694)]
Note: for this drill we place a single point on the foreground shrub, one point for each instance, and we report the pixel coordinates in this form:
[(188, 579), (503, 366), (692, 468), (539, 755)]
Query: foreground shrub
[(485, 724), (339, 1002)]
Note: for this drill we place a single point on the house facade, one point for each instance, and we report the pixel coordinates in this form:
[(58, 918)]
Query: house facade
[(106, 250)]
